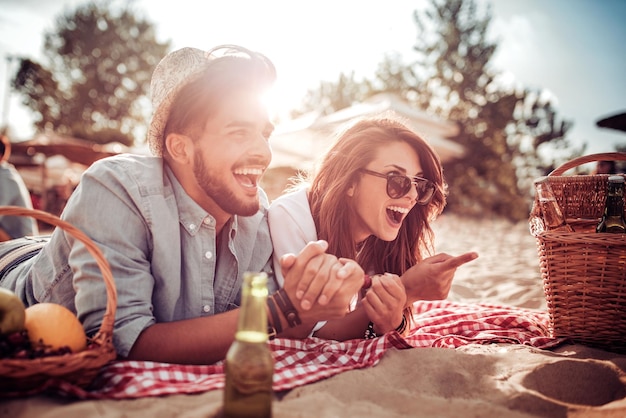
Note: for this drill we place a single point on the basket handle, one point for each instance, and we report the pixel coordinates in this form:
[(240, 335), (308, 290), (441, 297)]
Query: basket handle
[(605, 156), (109, 315)]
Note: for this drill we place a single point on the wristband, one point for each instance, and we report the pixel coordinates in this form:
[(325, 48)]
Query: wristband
[(274, 314), (271, 332), (402, 327), (289, 311)]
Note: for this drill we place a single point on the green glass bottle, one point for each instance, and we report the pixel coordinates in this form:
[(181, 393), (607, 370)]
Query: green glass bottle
[(613, 218), (249, 365)]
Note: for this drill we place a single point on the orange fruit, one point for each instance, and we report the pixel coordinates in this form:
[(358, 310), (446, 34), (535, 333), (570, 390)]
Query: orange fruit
[(54, 325)]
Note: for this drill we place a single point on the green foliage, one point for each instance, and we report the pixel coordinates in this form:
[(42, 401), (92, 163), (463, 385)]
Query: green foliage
[(503, 128), (332, 96), (509, 134), (96, 78)]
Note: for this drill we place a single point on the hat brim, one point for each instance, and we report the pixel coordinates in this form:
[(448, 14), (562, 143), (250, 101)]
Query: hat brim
[(172, 74)]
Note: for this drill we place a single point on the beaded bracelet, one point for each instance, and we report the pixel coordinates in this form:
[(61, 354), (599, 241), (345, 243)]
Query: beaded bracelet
[(289, 311), (370, 333)]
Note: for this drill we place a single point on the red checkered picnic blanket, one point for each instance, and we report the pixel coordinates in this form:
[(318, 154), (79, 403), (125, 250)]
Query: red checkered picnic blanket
[(298, 362)]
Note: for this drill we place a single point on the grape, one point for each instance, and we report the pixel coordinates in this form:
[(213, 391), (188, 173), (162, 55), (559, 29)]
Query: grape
[(17, 345)]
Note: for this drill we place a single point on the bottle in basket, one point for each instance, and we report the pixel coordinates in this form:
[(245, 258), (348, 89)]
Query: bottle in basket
[(249, 365), (553, 217), (613, 219)]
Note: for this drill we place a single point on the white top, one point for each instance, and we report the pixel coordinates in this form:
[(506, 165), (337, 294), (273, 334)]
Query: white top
[(291, 225), (291, 228)]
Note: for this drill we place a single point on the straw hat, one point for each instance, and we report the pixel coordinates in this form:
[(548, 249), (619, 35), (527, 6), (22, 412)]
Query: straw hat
[(174, 72)]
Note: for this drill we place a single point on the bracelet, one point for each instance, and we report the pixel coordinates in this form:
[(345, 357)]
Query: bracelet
[(271, 332), (367, 282), (402, 327), (274, 314), (289, 311), (369, 332)]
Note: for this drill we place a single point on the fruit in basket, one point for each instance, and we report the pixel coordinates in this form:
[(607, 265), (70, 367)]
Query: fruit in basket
[(54, 326), (12, 312)]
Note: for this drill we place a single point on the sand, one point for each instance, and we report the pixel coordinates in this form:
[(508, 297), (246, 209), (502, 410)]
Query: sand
[(495, 380)]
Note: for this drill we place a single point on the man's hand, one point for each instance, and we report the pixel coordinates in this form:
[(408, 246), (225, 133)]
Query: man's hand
[(318, 281), (431, 279)]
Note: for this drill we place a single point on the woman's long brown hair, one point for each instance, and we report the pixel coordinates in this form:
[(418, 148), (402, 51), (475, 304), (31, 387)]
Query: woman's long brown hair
[(333, 214)]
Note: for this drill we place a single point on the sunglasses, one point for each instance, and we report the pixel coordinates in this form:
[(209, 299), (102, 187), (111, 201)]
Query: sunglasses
[(399, 185)]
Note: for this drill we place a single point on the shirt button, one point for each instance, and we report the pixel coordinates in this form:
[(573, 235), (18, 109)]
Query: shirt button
[(192, 226), (208, 255), (207, 221), (206, 308)]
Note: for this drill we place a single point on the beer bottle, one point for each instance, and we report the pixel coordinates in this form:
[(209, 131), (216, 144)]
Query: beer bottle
[(249, 365), (553, 217), (613, 218)]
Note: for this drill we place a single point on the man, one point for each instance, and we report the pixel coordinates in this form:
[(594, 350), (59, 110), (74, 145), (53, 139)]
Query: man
[(179, 229), (13, 192)]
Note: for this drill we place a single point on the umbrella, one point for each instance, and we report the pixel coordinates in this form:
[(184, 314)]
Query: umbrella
[(298, 142), (74, 149), (616, 121)]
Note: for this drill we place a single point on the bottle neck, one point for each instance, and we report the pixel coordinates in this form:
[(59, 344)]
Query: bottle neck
[(252, 323), (615, 200)]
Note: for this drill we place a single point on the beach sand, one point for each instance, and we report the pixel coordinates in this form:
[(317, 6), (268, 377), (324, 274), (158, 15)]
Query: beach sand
[(507, 268), (496, 380)]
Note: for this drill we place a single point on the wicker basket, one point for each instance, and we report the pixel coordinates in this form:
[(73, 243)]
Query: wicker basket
[(31, 375), (583, 272)]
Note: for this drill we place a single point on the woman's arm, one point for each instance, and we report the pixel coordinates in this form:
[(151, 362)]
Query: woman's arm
[(383, 305)]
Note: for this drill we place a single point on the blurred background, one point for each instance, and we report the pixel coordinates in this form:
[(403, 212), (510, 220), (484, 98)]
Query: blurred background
[(504, 90)]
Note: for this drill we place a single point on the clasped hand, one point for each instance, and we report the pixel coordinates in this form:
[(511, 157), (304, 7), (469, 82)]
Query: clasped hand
[(320, 285)]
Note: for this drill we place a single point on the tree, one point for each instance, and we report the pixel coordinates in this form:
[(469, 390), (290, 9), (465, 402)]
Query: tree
[(96, 77), (502, 128), (332, 96), (506, 131)]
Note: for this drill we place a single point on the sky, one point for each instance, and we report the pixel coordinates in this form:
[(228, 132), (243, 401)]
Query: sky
[(573, 49)]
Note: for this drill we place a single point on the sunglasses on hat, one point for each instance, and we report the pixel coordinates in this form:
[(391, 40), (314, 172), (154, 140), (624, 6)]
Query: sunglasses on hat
[(399, 185)]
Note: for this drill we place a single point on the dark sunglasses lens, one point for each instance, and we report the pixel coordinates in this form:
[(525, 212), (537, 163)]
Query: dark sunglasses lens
[(398, 186), (425, 191)]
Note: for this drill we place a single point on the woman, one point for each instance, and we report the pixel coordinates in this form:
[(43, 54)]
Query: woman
[(372, 199)]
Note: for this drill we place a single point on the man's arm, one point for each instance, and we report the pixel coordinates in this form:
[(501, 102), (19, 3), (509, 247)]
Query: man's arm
[(191, 341), (206, 340)]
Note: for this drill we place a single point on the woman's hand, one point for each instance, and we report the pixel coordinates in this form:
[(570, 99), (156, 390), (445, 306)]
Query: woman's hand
[(384, 302), (431, 279)]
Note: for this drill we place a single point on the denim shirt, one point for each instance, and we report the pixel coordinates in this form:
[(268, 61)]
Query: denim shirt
[(161, 247), (13, 192)]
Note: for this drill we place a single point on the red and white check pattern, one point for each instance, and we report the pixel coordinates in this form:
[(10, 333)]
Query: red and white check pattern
[(298, 362)]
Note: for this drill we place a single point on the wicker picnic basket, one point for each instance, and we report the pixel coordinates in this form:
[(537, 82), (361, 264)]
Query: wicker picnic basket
[(583, 272), (31, 375)]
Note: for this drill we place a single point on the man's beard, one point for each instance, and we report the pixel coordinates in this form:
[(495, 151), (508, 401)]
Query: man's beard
[(221, 194)]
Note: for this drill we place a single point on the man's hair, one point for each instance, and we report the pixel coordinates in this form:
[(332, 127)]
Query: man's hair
[(239, 70)]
